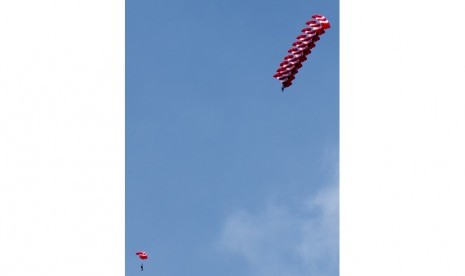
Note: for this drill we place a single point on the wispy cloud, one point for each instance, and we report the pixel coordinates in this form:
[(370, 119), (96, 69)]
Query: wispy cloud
[(287, 241)]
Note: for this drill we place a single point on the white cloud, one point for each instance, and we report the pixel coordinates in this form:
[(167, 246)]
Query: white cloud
[(287, 241)]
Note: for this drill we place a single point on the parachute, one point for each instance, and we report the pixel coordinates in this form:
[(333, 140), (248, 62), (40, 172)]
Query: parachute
[(143, 256), (300, 49)]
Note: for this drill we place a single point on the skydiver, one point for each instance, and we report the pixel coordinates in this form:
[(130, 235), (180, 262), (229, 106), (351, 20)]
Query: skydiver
[(282, 89), (141, 267)]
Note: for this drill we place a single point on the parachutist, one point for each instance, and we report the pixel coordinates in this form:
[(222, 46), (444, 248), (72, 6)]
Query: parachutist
[(282, 89), (143, 256)]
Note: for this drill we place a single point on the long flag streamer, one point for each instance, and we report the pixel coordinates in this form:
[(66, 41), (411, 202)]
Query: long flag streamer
[(300, 49)]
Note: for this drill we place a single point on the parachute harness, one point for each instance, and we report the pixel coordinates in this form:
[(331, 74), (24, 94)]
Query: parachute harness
[(300, 49)]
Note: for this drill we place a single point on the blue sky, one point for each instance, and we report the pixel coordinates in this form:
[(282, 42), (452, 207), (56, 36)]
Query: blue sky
[(225, 175)]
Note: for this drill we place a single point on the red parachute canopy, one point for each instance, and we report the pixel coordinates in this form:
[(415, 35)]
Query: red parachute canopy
[(142, 254), (314, 28)]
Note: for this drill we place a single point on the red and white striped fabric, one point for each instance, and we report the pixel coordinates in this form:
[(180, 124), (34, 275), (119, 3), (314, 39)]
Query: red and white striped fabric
[(300, 49)]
